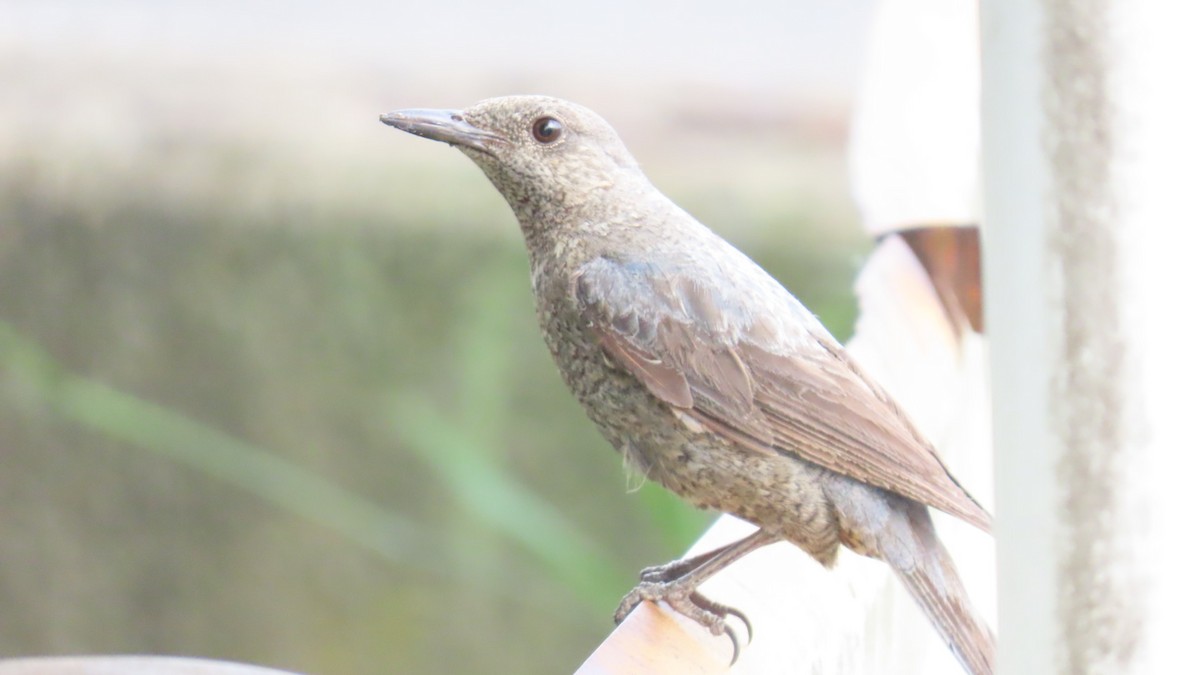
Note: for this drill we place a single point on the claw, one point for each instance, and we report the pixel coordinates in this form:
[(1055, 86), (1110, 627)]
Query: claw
[(745, 622), (724, 611), (683, 598), (737, 649), (631, 600)]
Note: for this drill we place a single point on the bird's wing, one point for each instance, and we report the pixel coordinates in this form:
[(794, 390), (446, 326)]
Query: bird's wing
[(695, 346)]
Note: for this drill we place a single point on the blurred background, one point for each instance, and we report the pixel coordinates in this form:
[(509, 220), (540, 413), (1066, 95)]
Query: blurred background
[(271, 388)]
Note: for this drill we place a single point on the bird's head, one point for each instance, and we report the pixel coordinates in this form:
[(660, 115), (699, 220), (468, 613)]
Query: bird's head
[(541, 153)]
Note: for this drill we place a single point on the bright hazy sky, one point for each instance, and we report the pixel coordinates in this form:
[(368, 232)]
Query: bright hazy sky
[(805, 44)]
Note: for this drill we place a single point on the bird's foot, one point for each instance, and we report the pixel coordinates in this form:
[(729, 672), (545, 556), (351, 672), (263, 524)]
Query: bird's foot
[(680, 594)]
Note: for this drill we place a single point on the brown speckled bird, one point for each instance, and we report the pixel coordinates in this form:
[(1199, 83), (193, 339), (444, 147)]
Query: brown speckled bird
[(705, 373)]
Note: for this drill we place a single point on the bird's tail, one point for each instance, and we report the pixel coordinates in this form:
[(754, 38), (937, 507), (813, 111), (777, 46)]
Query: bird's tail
[(928, 573)]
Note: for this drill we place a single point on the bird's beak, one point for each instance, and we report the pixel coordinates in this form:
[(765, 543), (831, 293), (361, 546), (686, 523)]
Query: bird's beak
[(447, 126)]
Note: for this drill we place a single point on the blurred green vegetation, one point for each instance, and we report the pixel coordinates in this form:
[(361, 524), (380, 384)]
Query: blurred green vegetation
[(321, 432)]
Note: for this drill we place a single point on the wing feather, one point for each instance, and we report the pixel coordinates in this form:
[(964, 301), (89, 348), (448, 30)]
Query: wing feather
[(693, 345)]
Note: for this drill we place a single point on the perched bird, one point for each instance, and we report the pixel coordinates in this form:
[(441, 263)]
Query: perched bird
[(705, 373)]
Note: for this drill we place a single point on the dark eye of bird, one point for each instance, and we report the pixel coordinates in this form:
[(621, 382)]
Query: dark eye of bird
[(547, 130)]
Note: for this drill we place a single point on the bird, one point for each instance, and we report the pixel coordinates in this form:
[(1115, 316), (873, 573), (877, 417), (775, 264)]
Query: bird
[(706, 374)]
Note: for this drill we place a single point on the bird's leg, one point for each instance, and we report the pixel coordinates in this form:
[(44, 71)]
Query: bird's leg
[(677, 568), (676, 583)]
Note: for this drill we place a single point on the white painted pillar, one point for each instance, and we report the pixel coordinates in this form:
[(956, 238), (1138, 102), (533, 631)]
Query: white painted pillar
[(1090, 147)]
